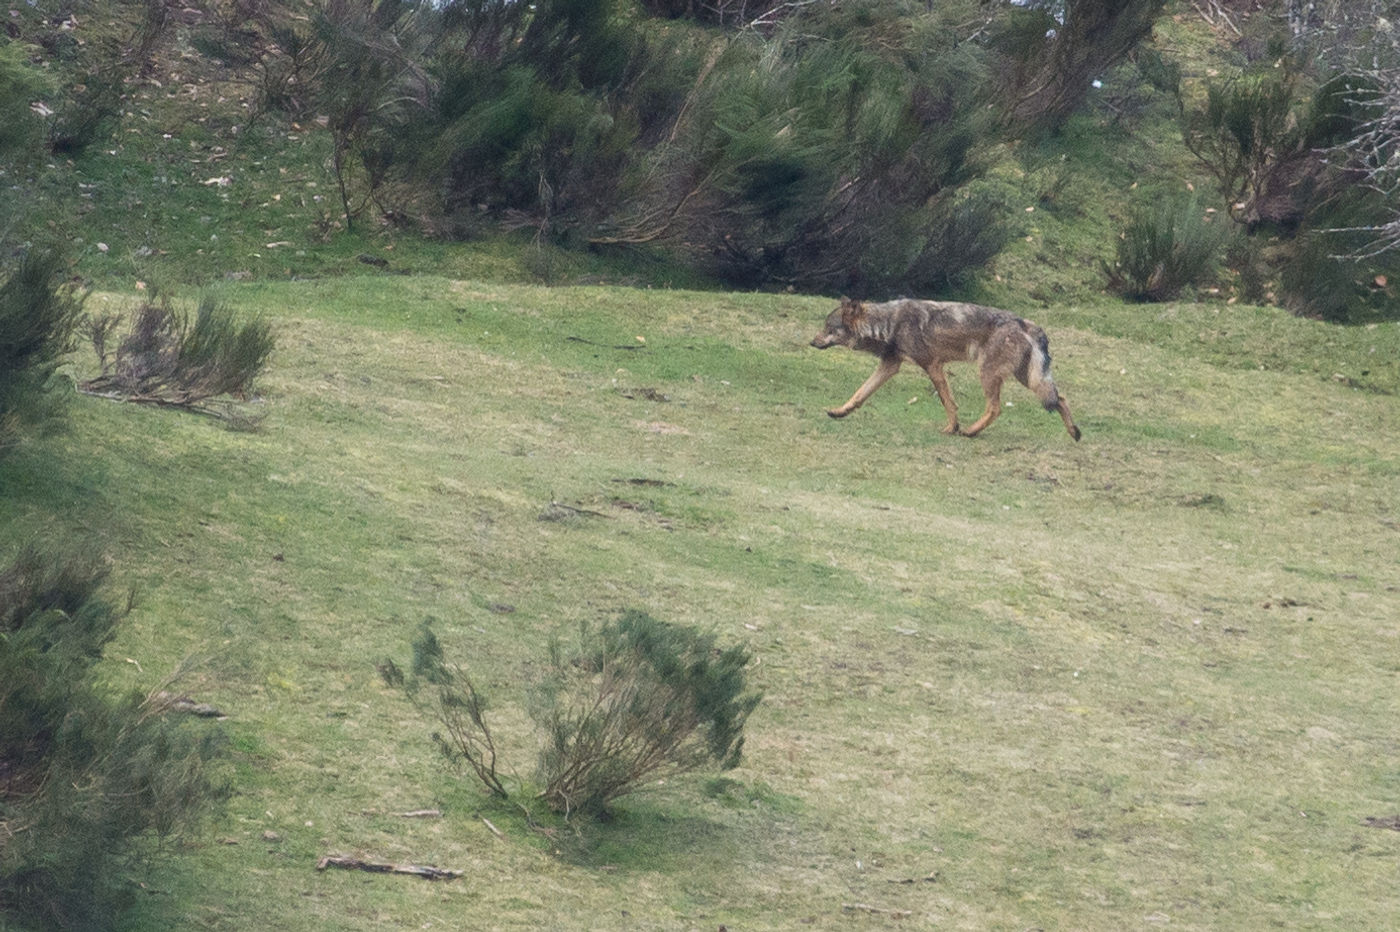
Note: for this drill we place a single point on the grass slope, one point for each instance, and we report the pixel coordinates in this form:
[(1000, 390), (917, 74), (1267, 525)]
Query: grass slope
[(1010, 682)]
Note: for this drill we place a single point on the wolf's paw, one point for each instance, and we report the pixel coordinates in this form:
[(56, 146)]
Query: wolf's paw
[(952, 430)]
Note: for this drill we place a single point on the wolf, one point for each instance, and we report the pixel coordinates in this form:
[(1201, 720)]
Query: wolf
[(931, 334)]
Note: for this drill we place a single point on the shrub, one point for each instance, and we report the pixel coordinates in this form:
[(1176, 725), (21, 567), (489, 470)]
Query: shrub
[(1248, 135), (37, 317), (83, 776), (637, 700), (1165, 250), (456, 704), (167, 359), (812, 159)]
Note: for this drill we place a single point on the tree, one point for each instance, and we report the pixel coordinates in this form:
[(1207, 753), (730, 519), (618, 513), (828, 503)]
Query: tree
[(370, 84), (1060, 46)]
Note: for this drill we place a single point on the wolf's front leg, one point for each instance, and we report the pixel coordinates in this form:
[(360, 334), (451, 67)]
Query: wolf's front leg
[(945, 395), (882, 374)]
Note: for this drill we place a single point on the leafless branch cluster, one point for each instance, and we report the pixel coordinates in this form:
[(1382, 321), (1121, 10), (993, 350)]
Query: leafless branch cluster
[(1375, 150), (1362, 38)]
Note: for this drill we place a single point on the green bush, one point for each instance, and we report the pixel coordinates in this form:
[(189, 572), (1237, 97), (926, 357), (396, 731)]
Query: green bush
[(1165, 250), (83, 776), (38, 314), (634, 701), (453, 699), (812, 159)]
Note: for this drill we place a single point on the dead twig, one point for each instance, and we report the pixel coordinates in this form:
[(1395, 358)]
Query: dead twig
[(876, 910), (621, 346), (421, 814), (427, 872), (558, 511)]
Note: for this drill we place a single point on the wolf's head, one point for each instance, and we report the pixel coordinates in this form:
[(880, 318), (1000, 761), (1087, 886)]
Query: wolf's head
[(841, 325)]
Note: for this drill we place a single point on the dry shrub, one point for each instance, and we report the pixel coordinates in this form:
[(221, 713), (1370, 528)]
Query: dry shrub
[(165, 358)]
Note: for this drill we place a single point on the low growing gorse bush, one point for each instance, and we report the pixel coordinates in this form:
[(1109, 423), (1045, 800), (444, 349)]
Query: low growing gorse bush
[(630, 702), (1165, 250), (167, 358)]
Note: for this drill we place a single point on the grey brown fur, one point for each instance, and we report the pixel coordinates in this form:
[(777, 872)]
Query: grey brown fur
[(931, 334)]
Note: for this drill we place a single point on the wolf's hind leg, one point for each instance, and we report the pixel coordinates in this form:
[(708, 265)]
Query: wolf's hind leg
[(882, 374), (1053, 401), (1062, 407), (991, 387)]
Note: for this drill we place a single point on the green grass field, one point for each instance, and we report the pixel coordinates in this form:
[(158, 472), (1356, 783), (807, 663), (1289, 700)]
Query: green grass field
[(1011, 682)]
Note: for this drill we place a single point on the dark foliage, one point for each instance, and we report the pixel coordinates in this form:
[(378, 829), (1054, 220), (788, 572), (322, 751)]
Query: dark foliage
[(637, 700), (829, 157), (38, 313), (165, 358), (83, 776)]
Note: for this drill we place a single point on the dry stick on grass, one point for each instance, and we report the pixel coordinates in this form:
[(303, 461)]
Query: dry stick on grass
[(876, 910), (425, 871)]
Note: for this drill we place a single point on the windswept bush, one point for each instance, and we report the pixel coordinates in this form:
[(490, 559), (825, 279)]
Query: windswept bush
[(38, 313), (633, 701), (83, 776), (813, 158), (1165, 250), (165, 358)]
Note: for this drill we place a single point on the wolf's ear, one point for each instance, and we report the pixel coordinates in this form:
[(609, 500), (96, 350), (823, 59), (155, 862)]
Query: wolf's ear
[(851, 311)]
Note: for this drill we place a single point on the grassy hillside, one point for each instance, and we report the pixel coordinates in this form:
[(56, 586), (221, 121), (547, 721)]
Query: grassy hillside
[(1011, 682)]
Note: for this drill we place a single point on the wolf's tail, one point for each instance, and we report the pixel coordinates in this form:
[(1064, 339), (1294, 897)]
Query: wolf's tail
[(1038, 377)]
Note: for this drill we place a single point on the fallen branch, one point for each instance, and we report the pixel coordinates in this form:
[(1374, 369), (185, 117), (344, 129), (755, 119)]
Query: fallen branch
[(876, 910), (219, 412), (621, 346), (421, 814), (558, 511), (427, 872), (487, 822)]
